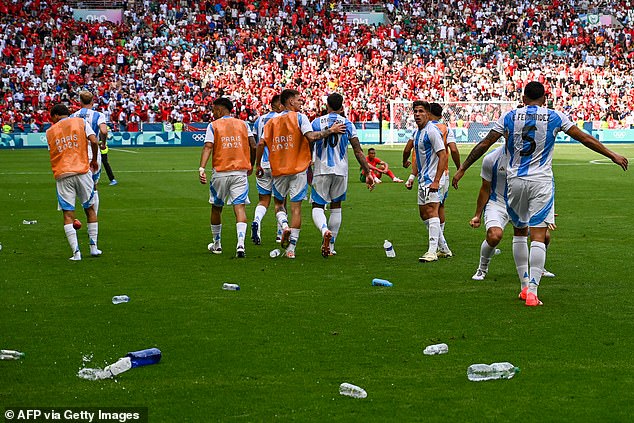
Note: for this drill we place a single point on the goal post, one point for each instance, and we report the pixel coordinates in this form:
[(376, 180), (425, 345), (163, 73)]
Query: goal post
[(470, 120)]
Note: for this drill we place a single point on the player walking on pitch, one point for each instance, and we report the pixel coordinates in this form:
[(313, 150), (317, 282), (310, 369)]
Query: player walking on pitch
[(530, 133), (68, 141), (330, 180), (431, 163), (287, 137), (231, 145)]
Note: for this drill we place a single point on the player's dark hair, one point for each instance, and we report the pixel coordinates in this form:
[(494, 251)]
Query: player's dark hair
[(60, 110), (275, 99), (534, 90), (287, 94), (419, 103), (370, 149), (435, 109), (335, 101), (224, 102)]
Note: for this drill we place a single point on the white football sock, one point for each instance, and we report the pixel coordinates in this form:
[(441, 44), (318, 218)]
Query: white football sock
[(93, 232), (442, 243), (216, 233), (486, 252), (282, 219), (71, 236), (241, 229), (260, 211), (319, 218), (294, 239), (520, 255), (334, 223), (537, 260), (433, 224)]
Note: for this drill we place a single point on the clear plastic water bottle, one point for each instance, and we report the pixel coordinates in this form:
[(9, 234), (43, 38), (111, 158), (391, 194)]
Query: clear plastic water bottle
[(480, 372), (389, 249), (275, 253), (122, 365), (29, 222), (381, 282), (144, 357), (231, 287), (118, 299), (436, 349), (351, 390), (11, 355)]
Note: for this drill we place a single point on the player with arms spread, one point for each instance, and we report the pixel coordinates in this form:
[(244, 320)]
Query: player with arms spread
[(530, 133)]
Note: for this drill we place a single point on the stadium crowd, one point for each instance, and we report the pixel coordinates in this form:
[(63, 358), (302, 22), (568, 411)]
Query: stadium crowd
[(167, 61)]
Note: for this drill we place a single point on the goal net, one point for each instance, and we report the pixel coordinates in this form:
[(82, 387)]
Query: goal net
[(470, 121)]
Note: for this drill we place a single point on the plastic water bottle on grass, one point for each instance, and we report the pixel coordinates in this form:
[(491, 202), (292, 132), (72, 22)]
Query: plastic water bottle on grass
[(480, 372), (436, 349), (381, 282), (118, 299), (389, 249), (230, 287), (11, 355), (351, 390)]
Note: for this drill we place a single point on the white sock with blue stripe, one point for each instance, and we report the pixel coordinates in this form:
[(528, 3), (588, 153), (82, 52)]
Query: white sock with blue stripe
[(241, 229), (216, 232), (334, 223), (282, 219), (537, 260), (71, 236), (319, 218), (93, 232), (294, 239), (520, 254), (260, 211)]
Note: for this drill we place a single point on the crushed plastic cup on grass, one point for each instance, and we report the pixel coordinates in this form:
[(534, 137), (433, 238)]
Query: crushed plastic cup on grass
[(119, 299), (493, 371), (11, 355), (381, 282), (231, 287), (436, 349), (130, 361), (275, 253), (350, 390), (29, 222)]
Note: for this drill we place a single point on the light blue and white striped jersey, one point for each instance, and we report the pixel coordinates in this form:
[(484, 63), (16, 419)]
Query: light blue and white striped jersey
[(330, 155), (530, 138), (427, 143), (494, 171), (93, 118), (258, 129)]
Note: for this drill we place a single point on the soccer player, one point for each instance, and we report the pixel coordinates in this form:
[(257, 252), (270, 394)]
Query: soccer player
[(378, 167), (431, 163), (288, 138), (97, 122), (491, 201), (232, 147), (435, 111), (68, 140), (530, 133), (264, 183), (330, 180)]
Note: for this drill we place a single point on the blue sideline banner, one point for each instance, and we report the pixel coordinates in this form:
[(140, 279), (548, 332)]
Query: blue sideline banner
[(366, 136)]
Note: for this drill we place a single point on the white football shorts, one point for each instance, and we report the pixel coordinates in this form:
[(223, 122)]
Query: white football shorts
[(425, 196), (229, 189), (265, 183), (74, 187), (495, 215), (530, 203), (443, 188), (328, 189), (295, 186)]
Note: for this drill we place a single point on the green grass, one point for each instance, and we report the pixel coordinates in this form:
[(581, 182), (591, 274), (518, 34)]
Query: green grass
[(279, 348)]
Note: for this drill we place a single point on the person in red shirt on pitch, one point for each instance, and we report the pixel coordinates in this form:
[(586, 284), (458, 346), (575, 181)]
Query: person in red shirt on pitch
[(379, 167)]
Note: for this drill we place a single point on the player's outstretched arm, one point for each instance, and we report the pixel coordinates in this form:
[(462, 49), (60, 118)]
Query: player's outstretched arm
[(483, 198), (595, 145), (204, 158), (407, 151), (358, 154), (475, 154)]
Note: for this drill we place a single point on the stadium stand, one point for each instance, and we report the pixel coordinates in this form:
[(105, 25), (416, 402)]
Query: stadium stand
[(167, 60)]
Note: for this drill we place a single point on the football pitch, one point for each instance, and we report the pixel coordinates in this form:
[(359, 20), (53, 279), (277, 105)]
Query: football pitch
[(278, 349)]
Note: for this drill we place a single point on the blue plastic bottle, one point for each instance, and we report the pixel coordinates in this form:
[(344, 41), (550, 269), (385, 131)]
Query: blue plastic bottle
[(144, 357), (381, 282)]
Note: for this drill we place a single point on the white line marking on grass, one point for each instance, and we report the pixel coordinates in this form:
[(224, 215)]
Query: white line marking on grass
[(123, 150)]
